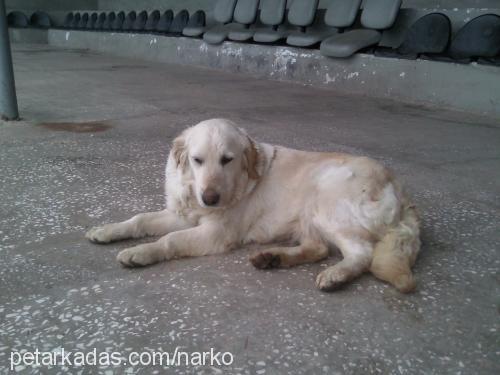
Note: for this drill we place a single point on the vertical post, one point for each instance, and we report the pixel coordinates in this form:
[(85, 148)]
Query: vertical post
[(8, 100)]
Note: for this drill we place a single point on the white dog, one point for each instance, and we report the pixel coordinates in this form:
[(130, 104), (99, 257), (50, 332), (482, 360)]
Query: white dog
[(225, 190)]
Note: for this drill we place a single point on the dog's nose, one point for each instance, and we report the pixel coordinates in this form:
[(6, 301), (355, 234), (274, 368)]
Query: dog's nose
[(210, 197)]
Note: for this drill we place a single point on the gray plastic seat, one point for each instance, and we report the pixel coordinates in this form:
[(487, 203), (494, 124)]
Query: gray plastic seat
[(109, 21), (19, 19), (272, 13), (244, 15), (339, 15), (301, 14), (41, 20), (92, 20), (83, 21), (117, 24), (377, 15), (223, 13), (153, 20)]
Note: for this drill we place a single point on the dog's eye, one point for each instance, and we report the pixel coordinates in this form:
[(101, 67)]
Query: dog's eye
[(225, 159), (198, 161)]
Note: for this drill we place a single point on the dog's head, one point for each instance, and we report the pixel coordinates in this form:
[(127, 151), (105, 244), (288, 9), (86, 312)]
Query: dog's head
[(221, 158)]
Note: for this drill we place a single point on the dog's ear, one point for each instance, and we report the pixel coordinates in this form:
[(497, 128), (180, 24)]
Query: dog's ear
[(252, 157), (179, 150)]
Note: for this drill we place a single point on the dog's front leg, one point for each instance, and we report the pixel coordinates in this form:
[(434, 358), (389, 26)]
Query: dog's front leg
[(204, 239), (148, 224)]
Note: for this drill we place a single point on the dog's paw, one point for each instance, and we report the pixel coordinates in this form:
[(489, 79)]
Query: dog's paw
[(99, 234), (265, 260), (331, 279), (137, 256)]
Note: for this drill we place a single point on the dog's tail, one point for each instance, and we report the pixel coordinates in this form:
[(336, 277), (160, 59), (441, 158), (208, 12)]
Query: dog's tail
[(396, 252)]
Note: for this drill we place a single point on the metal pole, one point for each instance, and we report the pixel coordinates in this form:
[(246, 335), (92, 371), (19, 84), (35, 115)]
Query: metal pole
[(8, 100)]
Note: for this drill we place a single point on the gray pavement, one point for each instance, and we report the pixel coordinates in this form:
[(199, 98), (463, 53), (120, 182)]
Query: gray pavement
[(105, 163)]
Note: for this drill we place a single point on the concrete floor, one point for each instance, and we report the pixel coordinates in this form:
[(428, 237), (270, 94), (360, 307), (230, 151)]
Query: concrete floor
[(60, 291)]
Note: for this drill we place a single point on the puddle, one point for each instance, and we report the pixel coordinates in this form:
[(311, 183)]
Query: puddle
[(77, 127)]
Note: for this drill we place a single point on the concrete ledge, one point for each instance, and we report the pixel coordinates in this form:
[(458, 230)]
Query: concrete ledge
[(28, 36)]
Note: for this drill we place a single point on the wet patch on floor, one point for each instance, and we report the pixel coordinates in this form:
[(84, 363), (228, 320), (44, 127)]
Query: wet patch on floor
[(77, 127)]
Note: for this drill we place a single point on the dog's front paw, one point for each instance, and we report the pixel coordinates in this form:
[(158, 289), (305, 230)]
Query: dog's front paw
[(331, 279), (137, 256), (100, 234), (265, 260)]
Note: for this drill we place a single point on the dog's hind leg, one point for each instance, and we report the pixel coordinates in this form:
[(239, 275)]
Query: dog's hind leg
[(357, 253), (147, 224), (306, 252)]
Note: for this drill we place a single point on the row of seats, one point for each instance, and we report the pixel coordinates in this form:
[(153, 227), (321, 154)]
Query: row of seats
[(345, 29), (341, 30), (38, 19), (155, 22)]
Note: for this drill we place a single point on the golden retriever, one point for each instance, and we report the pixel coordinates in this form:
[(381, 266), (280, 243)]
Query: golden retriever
[(225, 190)]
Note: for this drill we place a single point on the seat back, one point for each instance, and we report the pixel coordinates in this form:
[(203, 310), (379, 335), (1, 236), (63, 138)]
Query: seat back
[(83, 21), (140, 21), (92, 20), (246, 11), (165, 21), (42, 20), (379, 14), (429, 34), (99, 24), (477, 38), (110, 20), (224, 10), (342, 13), (117, 25), (128, 24), (76, 21), (153, 19), (68, 20), (19, 19), (179, 22), (197, 19), (302, 12), (272, 12)]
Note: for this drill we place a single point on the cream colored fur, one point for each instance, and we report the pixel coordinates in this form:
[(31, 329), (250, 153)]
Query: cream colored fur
[(271, 194)]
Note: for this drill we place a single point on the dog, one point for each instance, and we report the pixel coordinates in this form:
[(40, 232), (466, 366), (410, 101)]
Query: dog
[(225, 190)]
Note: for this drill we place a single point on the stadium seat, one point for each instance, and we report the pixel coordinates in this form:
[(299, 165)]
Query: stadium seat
[(109, 21), (153, 20), (118, 23), (272, 14), (68, 21), (84, 19), (179, 23), (301, 14), (75, 21), (165, 22), (427, 37), (91, 21), (99, 24), (244, 15), (479, 38), (17, 19), (129, 21), (140, 21), (196, 20), (377, 15), (223, 14), (339, 15), (41, 20)]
